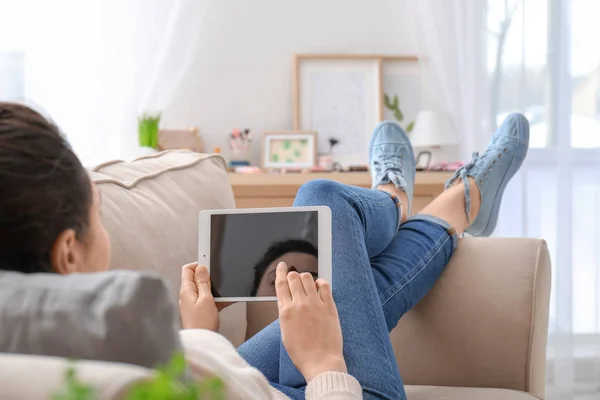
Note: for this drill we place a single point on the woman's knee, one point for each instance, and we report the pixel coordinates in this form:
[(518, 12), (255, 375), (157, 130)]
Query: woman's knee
[(319, 192)]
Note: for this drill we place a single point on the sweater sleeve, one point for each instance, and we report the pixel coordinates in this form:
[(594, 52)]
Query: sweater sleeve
[(209, 354), (334, 386), (329, 386)]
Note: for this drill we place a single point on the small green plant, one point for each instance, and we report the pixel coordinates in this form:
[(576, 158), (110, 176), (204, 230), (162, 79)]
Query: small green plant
[(74, 390), (394, 107), (148, 130), (167, 383)]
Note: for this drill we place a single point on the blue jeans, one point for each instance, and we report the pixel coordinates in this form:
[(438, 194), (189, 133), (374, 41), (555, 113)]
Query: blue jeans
[(379, 273)]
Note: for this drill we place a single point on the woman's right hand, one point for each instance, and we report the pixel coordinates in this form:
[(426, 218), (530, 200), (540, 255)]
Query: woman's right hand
[(310, 326)]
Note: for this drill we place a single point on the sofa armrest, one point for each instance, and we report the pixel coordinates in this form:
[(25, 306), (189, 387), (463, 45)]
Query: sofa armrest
[(485, 322)]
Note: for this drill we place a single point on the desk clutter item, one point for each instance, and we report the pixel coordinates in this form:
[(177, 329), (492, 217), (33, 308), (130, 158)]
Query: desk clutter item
[(240, 142), (443, 166), (184, 139)]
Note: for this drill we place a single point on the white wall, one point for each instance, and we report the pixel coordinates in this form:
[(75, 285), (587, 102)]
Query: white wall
[(243, 76)]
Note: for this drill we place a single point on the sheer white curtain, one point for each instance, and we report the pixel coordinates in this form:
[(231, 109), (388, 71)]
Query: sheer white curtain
[(540, 57), (452, 53), (96, 65)]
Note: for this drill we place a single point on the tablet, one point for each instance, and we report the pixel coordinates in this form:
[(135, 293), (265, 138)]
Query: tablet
[(242, 248)]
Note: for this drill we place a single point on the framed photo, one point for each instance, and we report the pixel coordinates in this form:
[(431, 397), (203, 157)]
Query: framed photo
[(341, 97), (295, 149)]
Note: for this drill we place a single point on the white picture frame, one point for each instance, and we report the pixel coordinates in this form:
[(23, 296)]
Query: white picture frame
[(339, 97), (301, 154)]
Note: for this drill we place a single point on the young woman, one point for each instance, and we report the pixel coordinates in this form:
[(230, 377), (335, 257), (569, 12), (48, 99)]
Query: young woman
[(383, 261)]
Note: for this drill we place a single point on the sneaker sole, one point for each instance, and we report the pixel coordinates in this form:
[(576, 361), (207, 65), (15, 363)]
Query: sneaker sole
[(512, 170)]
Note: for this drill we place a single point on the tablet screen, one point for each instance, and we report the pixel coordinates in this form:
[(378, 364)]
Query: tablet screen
[(246, 248)]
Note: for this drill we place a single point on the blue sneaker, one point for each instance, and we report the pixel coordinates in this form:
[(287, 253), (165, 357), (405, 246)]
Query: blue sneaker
[(391, 159), (493, 170)]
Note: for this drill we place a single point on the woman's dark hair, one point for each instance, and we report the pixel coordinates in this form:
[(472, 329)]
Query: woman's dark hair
[(277, 250), (44, 189)]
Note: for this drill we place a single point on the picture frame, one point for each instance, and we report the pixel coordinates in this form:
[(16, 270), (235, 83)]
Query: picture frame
[(295, 149), (341, 96)]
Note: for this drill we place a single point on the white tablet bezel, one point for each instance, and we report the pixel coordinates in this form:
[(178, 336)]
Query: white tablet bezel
[(324, 238)]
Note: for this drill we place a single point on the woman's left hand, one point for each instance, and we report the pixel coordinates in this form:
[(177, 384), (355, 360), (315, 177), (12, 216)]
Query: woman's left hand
[(196, 302)]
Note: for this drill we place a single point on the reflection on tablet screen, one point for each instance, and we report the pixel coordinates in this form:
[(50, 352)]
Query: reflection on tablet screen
[(246, 248)]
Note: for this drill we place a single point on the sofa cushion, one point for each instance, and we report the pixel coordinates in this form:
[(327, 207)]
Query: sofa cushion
[(120, 316), (37, 378), (455, 393), (150, 208)]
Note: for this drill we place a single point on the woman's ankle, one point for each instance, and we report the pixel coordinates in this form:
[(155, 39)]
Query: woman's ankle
[(400, 195), (474, 194)]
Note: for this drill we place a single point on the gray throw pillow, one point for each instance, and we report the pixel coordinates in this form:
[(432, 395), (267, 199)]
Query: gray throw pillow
[(120, 316)]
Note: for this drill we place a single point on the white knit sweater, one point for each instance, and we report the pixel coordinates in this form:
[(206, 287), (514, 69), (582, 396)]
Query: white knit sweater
[(210, 354)]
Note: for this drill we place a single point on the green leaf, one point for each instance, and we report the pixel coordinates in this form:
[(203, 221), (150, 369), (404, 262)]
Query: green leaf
[(303, 142), (175, 367), (398, 115), (386, 100), (396, 102), (275, 158), (287, 144), (74, 389), (297, 153), (213, 388), (410, 127)]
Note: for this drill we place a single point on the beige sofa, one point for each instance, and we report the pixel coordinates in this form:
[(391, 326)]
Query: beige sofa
[(479, 334)]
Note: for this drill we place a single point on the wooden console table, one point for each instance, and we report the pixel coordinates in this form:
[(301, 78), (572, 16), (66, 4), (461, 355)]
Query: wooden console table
[(279, 190)]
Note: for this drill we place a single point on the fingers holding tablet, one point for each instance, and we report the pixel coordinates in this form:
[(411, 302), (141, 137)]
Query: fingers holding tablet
[(290, 285), (202, 280), (308, 282), (196, 303), (188, 289), (281, 284)]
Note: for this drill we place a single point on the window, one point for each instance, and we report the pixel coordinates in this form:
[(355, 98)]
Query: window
[(585, 73), (544, 60)]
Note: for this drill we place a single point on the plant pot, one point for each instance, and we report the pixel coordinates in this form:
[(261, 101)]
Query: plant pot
[(148, 133)]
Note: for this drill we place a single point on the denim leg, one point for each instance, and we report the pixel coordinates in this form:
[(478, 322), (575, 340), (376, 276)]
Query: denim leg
[(409, 267), (262, 351), (405, 267), (364, 221)]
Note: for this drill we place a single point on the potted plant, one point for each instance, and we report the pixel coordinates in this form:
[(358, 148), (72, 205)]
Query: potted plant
[(394, 106), (148, 130)]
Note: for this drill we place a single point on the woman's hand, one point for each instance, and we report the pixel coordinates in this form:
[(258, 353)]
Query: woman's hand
[(310, 326), (196, 303)]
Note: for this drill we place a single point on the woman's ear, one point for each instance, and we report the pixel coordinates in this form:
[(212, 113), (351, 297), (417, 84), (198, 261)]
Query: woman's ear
[(65, 253)]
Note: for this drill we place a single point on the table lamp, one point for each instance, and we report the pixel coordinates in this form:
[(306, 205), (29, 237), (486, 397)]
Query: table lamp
[(432, 130)]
